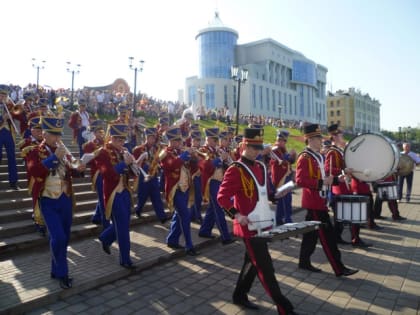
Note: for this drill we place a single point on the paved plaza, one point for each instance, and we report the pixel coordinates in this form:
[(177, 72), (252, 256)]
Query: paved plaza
[(168, 282)]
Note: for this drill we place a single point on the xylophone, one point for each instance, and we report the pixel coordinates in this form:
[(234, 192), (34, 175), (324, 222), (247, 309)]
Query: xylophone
[(289, 230)]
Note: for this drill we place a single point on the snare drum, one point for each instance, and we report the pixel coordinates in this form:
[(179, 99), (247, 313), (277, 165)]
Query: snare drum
[(351, 208), (387, 191), (371, 156)]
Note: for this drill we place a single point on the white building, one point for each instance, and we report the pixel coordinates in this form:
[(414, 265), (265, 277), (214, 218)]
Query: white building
[(281, 82)]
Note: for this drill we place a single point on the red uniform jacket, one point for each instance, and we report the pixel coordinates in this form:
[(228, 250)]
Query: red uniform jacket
[(236, 191), (359, 187), (206, 165), (279, 170), (334, 165), (308, 176), (75, 123), (91, 147), (171, 164), (115, 173), (38, 173)]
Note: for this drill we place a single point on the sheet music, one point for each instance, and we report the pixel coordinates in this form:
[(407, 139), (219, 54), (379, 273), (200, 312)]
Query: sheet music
[(87, 157)]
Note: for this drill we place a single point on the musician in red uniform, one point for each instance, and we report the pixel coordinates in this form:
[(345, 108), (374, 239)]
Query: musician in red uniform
[(392, 203), (176, 168), (98, 128), (25, 146), (334, 165), (79, 122), (310, 175), (50, 167), (113, 162), (212, 170), (238, 195), (149, 187), (281, 173), (8, 131), (196, 176), (23, 117)]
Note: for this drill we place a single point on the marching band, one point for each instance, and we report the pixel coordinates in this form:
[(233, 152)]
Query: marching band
[(192, 174)]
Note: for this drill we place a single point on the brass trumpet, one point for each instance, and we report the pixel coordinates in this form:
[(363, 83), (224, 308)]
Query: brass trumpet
[(135, 168), (73, 162)]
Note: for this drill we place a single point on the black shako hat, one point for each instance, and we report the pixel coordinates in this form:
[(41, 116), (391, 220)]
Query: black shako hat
[(334, 130), (254, 137), (312, 130)]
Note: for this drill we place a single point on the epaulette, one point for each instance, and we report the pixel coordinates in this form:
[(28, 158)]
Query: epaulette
[(26, 150), (21, 143)]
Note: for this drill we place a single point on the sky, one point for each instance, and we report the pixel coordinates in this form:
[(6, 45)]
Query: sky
[(372, 45)]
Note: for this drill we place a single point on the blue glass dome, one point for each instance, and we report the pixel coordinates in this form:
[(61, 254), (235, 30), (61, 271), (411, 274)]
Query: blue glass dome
[(216, 50)]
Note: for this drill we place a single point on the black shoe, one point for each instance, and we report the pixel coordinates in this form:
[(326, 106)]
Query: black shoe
[(66, 282), (14, 186), (52, 275), (175, 246), (399, 218), (206, 236), (361, 244), (347, 272), (246, 303), (227, 242), (138, 214), (106, 248), (343, 242), (96, 221), (128, 266), (380, 217), (192, 252), (309, 267), (376, 227), (163, 221)]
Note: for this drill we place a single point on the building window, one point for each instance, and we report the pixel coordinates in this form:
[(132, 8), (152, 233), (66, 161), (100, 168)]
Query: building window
[(332, 104), (254, 96), (273, 103), (267, 97), (338, 102), (225, 95), (338, 113), (332, 113), (261, 97)]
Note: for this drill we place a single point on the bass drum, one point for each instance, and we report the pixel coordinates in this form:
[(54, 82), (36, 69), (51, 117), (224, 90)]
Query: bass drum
[(371, 156)]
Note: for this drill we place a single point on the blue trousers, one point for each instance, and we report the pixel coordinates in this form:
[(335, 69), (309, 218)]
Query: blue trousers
[(284, 209), (150, 189), (198, 199), (99, 214), (57, 215), (81, 140), (181, 221), (6, 140), (215, 215), (120, 228)]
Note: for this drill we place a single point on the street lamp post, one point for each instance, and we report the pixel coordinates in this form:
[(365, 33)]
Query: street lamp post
[(73, 69), (38, 66), (136, 69), (239, 75)]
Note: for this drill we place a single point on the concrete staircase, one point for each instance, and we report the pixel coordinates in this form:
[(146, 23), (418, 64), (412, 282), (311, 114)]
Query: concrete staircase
[(17, 230)]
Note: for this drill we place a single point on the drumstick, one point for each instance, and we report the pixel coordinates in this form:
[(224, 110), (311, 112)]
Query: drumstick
[(345, 180)]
